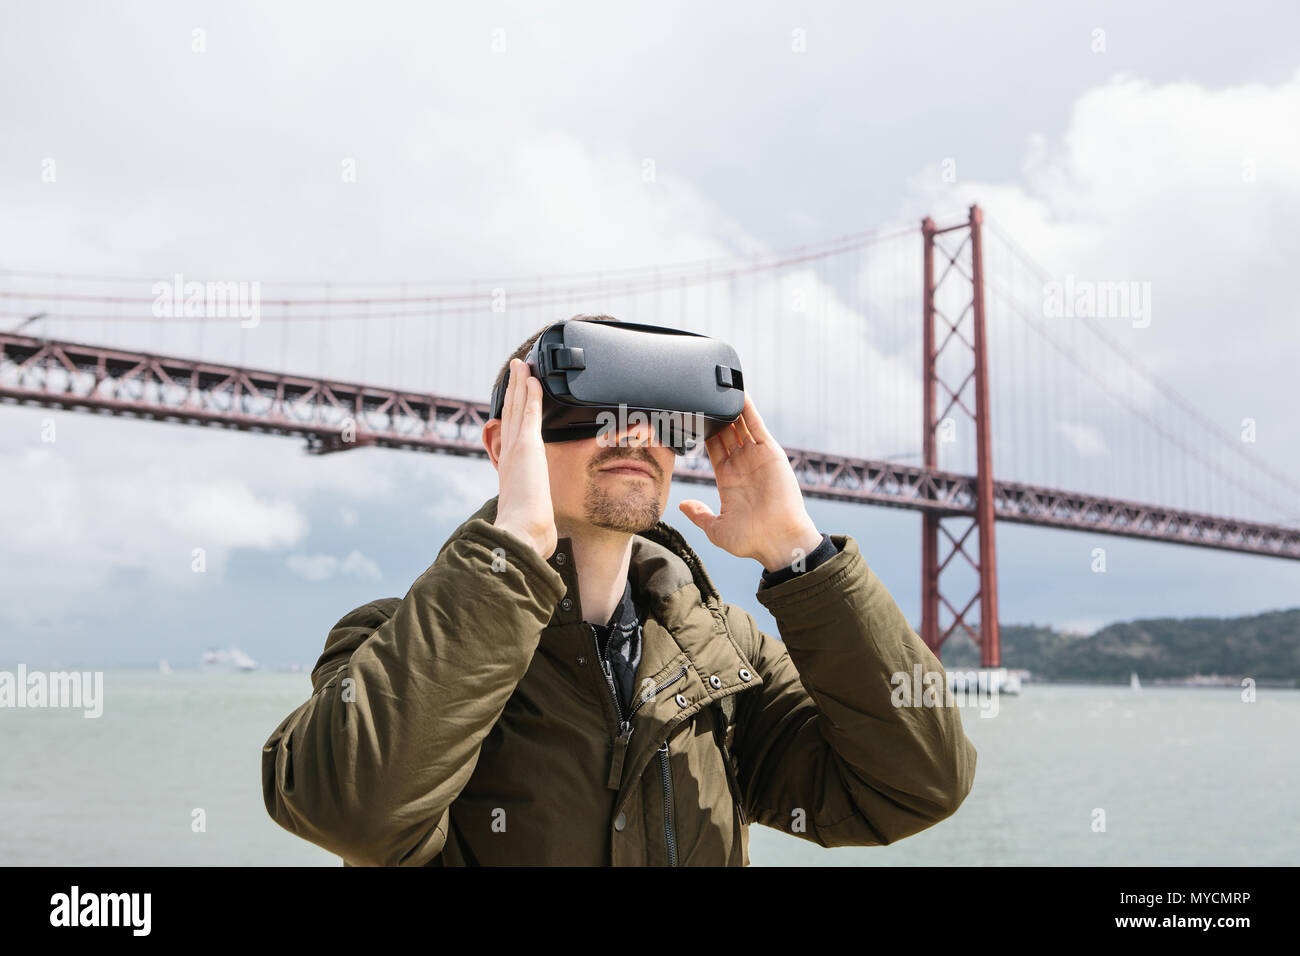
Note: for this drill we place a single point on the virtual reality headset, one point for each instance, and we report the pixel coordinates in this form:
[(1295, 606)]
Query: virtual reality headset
[(601, 377)]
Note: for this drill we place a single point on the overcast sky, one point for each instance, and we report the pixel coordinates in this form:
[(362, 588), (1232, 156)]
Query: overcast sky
[(1121, 153)]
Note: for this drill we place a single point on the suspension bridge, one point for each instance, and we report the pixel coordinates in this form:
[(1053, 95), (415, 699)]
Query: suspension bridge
[(935, 368)]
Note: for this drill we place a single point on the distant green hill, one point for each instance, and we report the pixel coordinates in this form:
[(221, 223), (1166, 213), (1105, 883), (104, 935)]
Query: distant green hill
[(1265, 647)]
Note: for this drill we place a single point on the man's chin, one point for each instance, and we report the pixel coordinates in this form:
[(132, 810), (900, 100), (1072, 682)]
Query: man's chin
[(629, 525), (624, 516)]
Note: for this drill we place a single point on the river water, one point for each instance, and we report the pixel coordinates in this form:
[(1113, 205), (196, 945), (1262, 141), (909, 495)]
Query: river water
[(1184, 777)]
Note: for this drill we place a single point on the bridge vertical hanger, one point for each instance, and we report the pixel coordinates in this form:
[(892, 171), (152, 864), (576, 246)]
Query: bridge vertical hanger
[(979, 512)]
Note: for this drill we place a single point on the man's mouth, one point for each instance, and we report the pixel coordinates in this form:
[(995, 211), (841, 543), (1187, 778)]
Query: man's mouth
[(629, 468)]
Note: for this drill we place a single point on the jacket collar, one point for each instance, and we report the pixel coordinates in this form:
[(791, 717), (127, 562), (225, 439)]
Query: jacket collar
[(625, 614), (661, 565)]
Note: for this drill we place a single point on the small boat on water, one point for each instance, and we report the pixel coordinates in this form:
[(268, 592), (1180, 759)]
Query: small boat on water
[(990, 680), (227, 660), (1133, 683), (163, 666)]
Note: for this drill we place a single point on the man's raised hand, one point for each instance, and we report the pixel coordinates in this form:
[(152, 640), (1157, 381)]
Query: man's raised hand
[(763, 514), (524, 505)]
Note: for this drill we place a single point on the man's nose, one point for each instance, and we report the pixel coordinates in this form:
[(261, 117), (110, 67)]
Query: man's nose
[(638, 435), (625, 431)]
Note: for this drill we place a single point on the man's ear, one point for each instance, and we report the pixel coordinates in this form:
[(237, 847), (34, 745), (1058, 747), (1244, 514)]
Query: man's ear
[(492, 440)]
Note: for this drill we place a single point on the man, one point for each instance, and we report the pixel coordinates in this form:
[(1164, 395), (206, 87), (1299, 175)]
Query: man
[(565, 685)]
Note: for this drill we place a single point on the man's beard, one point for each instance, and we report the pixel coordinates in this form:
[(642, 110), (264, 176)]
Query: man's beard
[(633, 511)]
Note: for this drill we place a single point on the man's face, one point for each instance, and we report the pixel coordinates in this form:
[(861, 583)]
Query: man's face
[(619, 482)]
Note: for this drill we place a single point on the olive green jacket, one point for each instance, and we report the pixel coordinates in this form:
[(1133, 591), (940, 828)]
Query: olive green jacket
[(470, 722)]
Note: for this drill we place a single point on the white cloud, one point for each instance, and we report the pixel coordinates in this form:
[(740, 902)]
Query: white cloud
[(1194, 190), (229, 514), (1085, 438), (358, 565), (1152, 182), (316, 567), (99, 504), (460, 487), (322, 567)]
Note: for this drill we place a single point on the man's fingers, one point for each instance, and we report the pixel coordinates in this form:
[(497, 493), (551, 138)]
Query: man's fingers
[(717, 451), (515, 398), (754, 422), (506, 418), (522, 412), (730, 439), (701, 515), (743, 432), (532, 417)]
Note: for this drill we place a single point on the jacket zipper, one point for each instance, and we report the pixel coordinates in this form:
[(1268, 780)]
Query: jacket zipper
[(642, 699), (734, 781), (625, 732), (669, 833), (624, 724)]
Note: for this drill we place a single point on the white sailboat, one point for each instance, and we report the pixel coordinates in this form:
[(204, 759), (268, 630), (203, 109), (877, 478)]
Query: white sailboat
[(163, 666), (1134, 684)]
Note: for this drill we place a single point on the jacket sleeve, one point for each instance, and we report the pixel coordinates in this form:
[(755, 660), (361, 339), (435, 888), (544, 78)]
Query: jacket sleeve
[(368, 767), (822, 750), (817, 556)]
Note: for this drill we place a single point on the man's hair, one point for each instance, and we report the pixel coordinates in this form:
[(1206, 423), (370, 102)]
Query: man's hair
[(527, 345)]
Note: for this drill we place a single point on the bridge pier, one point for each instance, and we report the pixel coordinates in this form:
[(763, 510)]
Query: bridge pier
[(982, 517)]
